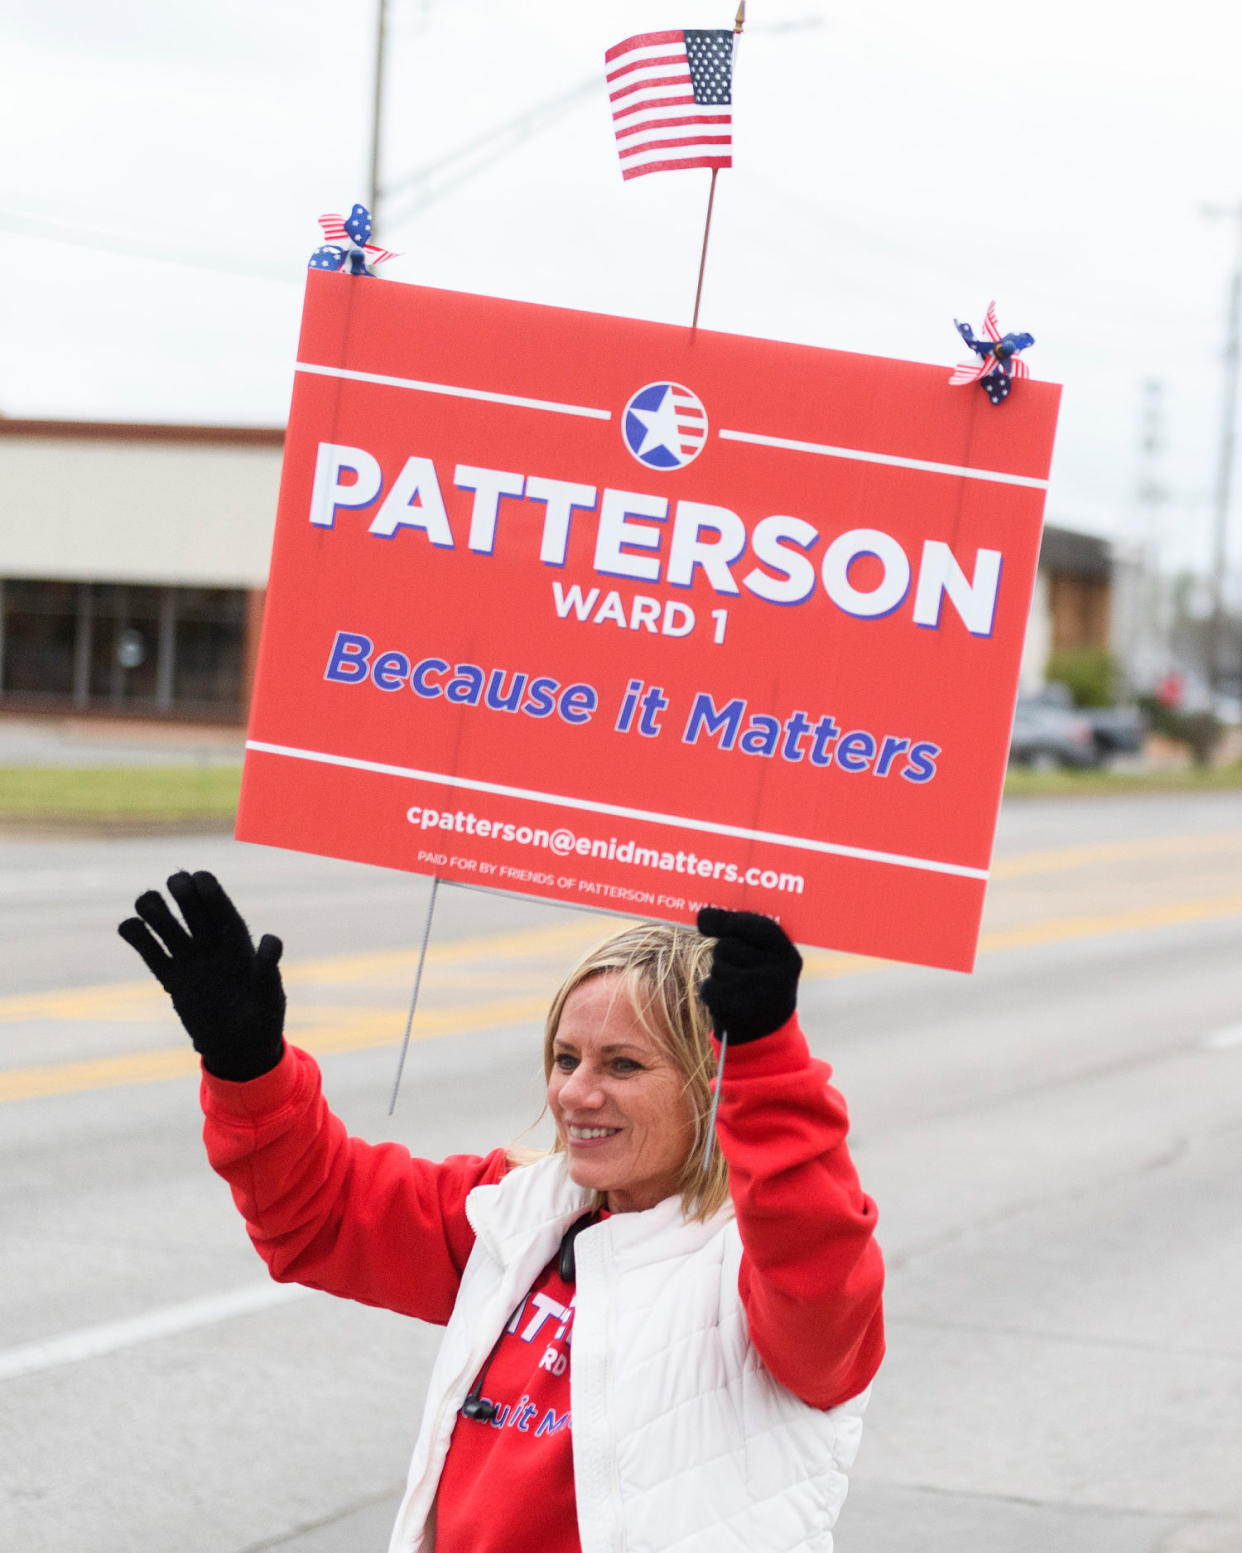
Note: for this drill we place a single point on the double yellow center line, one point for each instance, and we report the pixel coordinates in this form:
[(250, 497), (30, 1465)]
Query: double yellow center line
[(506, 959)]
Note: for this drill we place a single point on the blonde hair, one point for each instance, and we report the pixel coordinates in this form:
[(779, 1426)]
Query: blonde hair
[(663, 967)]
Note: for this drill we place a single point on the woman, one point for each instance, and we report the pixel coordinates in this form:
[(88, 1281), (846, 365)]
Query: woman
[(644, 1351)]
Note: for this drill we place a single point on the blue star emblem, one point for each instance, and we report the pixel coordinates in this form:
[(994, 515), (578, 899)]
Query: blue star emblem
[(664, 425)]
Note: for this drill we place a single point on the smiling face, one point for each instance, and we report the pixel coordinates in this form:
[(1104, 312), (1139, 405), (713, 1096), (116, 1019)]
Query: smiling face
[(618, 1101)]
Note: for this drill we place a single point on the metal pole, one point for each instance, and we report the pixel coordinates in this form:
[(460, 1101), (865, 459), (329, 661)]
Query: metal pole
[(418, 981), (377, 115), (711, 1120), (83, 645), (707, 228), (1224, 468), (739, 21), (166, 650), (1141, 602)]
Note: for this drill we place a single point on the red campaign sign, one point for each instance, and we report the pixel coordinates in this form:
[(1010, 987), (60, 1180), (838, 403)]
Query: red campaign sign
[(641, 618)]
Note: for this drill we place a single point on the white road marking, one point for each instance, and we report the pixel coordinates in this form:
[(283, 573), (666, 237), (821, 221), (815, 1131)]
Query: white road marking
[(56, 882), (110, 1336), (1218, 1040)]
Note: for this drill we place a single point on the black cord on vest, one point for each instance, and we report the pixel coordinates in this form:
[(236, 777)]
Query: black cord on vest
[(565, 1264), (476, 1406)]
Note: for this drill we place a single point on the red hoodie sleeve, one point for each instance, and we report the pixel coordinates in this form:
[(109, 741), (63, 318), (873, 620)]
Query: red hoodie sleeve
[(812, 1275), (368, 1222)]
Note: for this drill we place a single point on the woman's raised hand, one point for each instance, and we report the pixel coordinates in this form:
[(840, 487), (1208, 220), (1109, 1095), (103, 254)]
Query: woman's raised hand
[(752, 987), (227, 993)]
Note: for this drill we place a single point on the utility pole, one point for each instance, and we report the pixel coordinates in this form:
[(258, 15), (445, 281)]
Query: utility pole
[(1143, 619), (377, 115), (1224, 468)]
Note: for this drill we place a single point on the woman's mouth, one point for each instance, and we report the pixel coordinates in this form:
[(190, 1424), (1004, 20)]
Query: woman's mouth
[(587, 1135)]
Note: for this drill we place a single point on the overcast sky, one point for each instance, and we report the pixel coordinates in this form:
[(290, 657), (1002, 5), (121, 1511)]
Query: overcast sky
[(896, 165)]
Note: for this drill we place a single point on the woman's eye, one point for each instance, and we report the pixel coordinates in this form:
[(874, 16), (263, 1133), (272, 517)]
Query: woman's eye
[(564, 1063), (626, 1065)]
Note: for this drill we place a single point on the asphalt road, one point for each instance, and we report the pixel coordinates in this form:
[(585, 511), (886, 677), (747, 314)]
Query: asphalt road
[(1055, 1144)]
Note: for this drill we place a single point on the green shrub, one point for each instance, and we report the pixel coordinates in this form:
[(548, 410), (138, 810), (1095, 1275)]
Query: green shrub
[(1089, 673), (1200, 731)]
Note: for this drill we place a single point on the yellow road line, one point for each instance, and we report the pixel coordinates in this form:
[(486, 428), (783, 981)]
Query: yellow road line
[(143, 1000), (131, 999), (376, 1028), (63, 1078), (575, 934), (146, 1000), (383, 1030), (353, 1029), (824, 965), (1055, 930), (1060, 859), (1136, 920)]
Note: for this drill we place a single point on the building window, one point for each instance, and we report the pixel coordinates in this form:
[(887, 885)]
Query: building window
[(124, 647), (123, 628), (37, 638), (209, 637)]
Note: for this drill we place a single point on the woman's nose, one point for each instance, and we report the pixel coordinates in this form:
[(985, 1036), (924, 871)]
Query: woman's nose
[(580, 1091)]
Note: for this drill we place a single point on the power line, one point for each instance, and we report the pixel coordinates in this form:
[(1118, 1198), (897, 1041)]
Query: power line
[(437, 178), (75, 236)]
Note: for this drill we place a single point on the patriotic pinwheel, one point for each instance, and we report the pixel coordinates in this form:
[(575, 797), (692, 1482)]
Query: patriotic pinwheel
[(355, 231), (999, 362)]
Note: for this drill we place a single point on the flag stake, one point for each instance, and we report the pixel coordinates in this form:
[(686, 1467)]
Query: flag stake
[(711, 1120), (418, 978), (707, 227), (739, 21)]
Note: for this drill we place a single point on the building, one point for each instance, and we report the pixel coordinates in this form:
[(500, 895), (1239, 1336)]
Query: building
[(133, 561), (1072, 605)]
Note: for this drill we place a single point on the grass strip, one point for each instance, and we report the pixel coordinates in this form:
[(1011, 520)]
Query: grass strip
[(155, 795), (1020, 783), (130, 794)]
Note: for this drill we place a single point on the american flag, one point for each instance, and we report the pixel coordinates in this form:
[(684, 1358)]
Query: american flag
[(671, 95)]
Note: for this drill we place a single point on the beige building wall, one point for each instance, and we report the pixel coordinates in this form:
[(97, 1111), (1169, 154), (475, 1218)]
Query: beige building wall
[(1037, 644), (194, 506)]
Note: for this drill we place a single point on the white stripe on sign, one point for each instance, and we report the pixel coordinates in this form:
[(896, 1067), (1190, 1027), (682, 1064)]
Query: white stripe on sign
[(1219, 1040), (453, 391), (109, 1336), (675, 821), (823, 448)]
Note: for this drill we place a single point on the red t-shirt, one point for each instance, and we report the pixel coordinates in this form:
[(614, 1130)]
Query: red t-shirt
[(485, 1495)]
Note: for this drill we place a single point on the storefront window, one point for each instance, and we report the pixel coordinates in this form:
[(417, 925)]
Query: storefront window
[(125, 645), (122, 647), (39, 632), (210, 636)]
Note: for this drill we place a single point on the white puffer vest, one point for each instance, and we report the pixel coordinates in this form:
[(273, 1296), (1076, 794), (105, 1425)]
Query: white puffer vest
[(682, 1441)]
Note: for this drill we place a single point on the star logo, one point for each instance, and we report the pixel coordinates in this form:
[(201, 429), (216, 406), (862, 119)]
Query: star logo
[(664, 426)]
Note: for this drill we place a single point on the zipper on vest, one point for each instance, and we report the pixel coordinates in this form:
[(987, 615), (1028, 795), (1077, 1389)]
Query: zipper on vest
[(610, 1352)]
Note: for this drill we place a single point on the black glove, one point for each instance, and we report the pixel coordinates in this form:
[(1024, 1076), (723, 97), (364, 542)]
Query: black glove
[(752, 987), (226, 993)]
